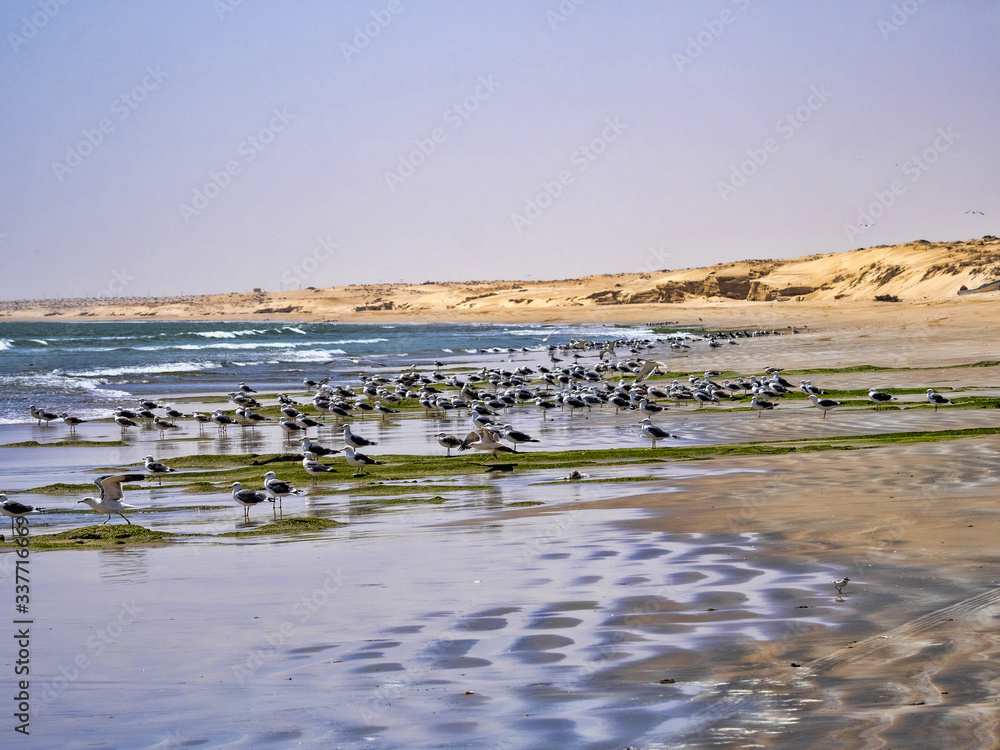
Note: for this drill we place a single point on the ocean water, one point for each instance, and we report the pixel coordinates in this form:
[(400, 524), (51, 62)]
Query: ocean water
[(88, 367)]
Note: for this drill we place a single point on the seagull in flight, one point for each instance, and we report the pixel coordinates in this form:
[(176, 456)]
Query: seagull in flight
[(110, 500)]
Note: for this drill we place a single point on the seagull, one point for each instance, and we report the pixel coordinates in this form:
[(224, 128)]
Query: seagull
[(222, 420), (653, 432), (110, 500), (358, 460), (155, 467), (516, 436), (13, 509), (163, 424), (487, 440), (313, 467), (379, 407), (448, 441), (574, 475), (316, 449), (248, 498), (124, 422), (840, 583), (278, 488), (761, 405), (648, 365), (245, 388), (826, 404), (72, 422), (356, 441), (41, 414), (290, 427), (879, 397), (937, 399)]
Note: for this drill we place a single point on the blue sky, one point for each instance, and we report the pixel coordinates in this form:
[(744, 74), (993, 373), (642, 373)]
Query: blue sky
[(200, 146)]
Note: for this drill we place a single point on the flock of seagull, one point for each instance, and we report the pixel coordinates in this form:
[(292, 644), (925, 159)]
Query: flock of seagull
[(572, 388)]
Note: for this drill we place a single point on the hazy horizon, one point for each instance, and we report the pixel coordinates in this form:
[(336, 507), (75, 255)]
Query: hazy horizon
[(208, 146)]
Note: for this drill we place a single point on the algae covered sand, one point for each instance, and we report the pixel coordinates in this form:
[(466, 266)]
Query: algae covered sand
[(98, 537)]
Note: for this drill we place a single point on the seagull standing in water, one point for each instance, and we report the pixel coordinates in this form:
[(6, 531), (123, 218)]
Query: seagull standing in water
[(13, 509), (653, 432), (157, 468), (356, 441), (279, 488), (448, 441), (110, 500), (826, 404), (248, 498), (71, 421)]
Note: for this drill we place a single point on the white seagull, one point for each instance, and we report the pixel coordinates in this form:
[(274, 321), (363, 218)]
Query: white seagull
[(358, 460), (448, 441), (110, 500), (155, 467), (72, 422), (356, 441), (248, 498), (653, 432), (13, 509), (826, 404), (937, 399), (761, 405), (279, 488), (879, 397), (313, 467)]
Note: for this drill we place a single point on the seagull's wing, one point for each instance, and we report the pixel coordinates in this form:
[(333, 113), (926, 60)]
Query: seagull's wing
[(472, 437), (111, 485), (648, 366)]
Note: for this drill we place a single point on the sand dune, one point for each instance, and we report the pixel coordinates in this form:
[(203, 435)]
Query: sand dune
[(916, 272)]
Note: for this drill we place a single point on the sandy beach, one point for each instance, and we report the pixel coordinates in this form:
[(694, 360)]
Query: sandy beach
[(690, 606)]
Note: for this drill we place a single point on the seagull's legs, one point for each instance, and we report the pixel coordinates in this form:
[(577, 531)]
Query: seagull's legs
[(126, 520), (105, 520)]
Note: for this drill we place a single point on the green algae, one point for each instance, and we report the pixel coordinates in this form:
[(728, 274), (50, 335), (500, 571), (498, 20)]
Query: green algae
[(288, 526), (68, 444), (98, 537)]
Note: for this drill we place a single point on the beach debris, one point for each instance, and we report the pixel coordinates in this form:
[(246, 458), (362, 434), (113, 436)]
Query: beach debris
[(667, 681)]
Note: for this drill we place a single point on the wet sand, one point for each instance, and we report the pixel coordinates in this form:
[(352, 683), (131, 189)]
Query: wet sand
[(651, 615)]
